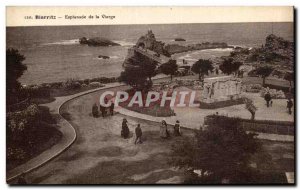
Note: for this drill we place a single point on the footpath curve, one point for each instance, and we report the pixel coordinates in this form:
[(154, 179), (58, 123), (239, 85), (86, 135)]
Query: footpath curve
[(68, 135)]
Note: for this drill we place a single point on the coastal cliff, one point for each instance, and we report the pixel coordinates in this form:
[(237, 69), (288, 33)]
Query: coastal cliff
[(279, 48), (276, 51)]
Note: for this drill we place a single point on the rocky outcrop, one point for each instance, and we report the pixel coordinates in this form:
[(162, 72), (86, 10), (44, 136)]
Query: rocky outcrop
[(103, 57), (276, 48), (179, 40), (275, 51), (97, 41), (149, 41)]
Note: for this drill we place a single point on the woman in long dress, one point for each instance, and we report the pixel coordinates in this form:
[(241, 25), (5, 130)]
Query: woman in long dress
[(125, 129), (177, 131), (164, 133)]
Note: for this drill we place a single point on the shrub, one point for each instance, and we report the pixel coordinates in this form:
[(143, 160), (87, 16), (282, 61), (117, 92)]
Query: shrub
[(37, 91), (254, 88), (72, 84), (96, 84)]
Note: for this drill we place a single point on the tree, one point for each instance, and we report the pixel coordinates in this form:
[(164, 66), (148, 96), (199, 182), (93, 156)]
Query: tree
[(289, 76), (229, 66), (249, 105), (201, 67), (264, 72), (137, 71), (135, 78), (169, 68), (146, 65), (221, 152), (14, 70)]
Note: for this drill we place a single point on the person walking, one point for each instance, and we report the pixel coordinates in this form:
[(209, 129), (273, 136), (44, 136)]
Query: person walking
[(271, 103), (289, 105), (177, 131), (164, 133), (111, 108), (125, 129), (138, 133), (268, 98)]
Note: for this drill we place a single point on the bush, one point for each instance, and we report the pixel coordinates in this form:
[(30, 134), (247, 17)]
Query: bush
[(96, 84), (37, 91), (29, 132), (72, 84), (254, 88)]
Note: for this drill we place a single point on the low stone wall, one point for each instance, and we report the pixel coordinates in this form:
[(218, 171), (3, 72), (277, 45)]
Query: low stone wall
[(270, 127), (221, 104), (261, 126)]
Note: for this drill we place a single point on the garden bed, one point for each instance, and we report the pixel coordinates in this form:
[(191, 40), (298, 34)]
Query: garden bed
[(29, 133), (154, 108)]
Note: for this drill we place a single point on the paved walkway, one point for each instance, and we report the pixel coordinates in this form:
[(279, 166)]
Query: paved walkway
[(68, 135), (67, 130), (193, 118)]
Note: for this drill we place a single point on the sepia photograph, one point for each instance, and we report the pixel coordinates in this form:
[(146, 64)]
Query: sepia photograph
[(150, 95)]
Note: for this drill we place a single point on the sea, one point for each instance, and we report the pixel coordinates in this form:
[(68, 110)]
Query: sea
[(53, 53)]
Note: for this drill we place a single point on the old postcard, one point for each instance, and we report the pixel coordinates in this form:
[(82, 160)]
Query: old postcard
[(150, 95)]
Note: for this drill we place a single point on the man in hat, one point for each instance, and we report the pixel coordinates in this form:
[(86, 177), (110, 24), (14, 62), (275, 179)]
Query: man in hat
[(138, 133), (177, 131), (268, 98), (289, 105)]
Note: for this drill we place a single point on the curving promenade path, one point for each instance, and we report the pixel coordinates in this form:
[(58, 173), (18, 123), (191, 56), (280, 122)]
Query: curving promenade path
[(67, 130)]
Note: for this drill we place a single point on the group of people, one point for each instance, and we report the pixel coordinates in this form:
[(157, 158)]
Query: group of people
[(164, 132), (104, 110), (125, 132)]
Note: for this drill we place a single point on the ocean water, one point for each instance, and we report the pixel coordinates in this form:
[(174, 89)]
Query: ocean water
[(53, 53)]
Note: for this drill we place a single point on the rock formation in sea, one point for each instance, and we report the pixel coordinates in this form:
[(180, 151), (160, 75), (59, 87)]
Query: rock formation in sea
[(103, 57), (179, 39), (97, 41), (149, 41)]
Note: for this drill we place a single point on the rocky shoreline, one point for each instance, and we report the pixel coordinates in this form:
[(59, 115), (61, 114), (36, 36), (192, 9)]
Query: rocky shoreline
[(176, 48)]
